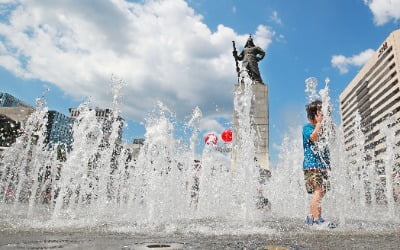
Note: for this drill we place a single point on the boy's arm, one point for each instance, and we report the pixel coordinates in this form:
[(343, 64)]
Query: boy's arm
[(318, 119), (315, 134)]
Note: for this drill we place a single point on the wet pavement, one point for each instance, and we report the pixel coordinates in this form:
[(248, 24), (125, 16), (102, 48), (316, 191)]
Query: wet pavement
[(271, 234), (317, 239)]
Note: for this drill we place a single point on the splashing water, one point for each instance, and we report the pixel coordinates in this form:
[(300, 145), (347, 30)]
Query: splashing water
[(168, 188), (311, 89), (356, 190)]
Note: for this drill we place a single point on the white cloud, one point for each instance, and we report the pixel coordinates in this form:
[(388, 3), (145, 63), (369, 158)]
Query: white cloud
[(384, 10), (210, 125), (263, 36), (343, 63), (281, 38), (162, 50), (275, 18), (10, 63)]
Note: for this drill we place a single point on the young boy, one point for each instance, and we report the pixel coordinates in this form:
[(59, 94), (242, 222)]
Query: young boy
[(316, 162)]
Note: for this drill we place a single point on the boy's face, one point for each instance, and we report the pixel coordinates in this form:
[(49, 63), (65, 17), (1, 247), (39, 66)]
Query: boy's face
[(319, 116)]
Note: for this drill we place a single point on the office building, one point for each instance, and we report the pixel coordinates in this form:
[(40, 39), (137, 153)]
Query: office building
[(13, 115), (14, 109), (59, 129), (105, 117), (7, 100), (374, 94), (133, 149)]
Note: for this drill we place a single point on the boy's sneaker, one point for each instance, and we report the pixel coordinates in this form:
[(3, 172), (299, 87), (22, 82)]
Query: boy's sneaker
[(319, 221), (309, 221)]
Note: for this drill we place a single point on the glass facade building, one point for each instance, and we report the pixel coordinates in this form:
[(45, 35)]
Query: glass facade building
[(7, 100), (59, 129)]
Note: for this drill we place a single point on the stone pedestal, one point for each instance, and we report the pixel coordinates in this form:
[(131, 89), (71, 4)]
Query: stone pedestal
[(259, 122)]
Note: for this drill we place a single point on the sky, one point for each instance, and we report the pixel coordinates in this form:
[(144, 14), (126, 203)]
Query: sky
[(180, 53)]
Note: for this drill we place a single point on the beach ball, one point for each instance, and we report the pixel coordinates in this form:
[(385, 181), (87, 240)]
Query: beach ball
[(227, 135), (211, 139)]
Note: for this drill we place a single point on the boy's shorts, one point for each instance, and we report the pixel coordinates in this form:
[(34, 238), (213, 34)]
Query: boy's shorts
[(315, 176)]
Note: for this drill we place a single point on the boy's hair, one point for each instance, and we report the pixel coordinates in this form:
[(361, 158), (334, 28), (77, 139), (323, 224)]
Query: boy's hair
[(312, 109)]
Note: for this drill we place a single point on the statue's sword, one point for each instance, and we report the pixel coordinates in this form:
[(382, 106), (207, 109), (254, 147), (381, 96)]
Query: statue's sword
[(236, 61)]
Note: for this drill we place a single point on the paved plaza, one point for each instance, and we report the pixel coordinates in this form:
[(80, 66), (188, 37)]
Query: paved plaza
[(300, 237)]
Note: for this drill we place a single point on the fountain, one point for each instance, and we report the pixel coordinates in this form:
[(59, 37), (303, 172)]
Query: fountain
[(99, 184), (170, 190), (355, 183)]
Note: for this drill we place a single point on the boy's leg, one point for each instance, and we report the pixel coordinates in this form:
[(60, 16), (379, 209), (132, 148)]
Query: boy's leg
[(315, 206)]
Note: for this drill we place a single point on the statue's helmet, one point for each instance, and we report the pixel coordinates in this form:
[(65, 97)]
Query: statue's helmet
[(249, 42)]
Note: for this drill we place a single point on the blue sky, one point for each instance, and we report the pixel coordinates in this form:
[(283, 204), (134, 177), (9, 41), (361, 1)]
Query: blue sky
[(179, 52)]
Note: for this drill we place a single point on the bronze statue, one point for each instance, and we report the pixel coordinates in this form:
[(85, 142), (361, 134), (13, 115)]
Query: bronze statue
[(250, 56)]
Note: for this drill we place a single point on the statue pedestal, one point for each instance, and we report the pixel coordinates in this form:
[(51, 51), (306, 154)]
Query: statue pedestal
[(259, 122)]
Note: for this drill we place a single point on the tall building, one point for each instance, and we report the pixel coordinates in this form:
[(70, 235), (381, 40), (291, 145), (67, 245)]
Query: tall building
[(59, 129), (7, 100), (13, 115), (135, 147), (14, 109), (103, 116), (375, 95)]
